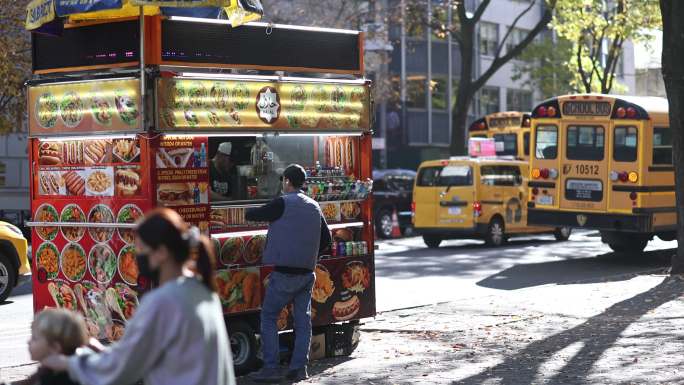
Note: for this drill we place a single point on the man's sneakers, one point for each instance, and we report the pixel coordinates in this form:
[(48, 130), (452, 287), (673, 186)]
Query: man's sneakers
[(267, 375), (296, 375)]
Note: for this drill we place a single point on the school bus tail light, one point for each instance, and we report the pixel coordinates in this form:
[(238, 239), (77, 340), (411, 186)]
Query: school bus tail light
[(535, 191), (536, 173), (633, 177), (620, 113), (477, 209), (544, 172), (553, 173), (614, 176), (541, 111), (633, 195), (623, 176), (631, 112), (551, 111)]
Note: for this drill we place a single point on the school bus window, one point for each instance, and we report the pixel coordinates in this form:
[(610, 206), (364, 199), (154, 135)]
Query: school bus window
[(506, 144), (526, 143), (585, 143), (500, 176), (445, 176), (662, 145), (625, 144), (546, 143)]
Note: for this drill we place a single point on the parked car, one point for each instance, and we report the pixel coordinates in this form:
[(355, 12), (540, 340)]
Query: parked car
[(14, 261), (392, 190)]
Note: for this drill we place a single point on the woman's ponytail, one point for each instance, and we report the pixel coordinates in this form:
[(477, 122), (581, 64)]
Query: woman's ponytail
[(205, 262)]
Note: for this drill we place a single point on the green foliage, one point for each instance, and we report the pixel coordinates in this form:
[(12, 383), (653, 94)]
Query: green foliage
[(15, 62), (598, 30), (544, 65)]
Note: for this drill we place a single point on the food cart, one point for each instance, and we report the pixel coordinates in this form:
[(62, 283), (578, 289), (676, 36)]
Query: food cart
[(110, 142)]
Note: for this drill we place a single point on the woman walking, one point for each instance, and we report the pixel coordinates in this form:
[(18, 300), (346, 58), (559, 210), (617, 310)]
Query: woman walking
[(178, 334)]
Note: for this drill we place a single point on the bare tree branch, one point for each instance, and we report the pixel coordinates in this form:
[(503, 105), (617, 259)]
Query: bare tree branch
[(512, 26)]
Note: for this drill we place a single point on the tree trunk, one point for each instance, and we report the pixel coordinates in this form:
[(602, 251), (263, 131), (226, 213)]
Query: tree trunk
[(673, 74), (464, 96)]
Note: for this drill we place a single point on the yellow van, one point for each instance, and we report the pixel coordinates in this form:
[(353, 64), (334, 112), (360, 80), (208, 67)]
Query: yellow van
[(468, 197)]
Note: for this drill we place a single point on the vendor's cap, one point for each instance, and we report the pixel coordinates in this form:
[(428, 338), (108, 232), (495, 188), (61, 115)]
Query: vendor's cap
[(295, 174), (225, 148)]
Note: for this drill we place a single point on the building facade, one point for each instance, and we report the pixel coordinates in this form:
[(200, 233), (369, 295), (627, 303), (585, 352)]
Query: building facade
[(424, 71)]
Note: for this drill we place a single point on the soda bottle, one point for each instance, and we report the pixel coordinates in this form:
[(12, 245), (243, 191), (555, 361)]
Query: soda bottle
[(203, 156), (341, 252), (333, 250)]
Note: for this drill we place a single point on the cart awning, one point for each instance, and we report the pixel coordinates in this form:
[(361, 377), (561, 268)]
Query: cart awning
[(41, 12)]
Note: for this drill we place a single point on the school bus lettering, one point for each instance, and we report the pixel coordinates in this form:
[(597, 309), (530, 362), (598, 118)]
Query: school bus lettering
[(587, 169), (586, 108)]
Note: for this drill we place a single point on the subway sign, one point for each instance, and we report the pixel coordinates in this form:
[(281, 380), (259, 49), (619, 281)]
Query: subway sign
[(586, 108)]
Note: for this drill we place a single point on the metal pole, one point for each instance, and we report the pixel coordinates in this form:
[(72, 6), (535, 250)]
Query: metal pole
[(379, 18), (450, 85), (404, 125), (429, 70), (143, 102)]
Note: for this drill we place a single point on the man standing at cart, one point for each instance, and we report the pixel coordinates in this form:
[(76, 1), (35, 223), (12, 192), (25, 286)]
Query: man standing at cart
[(297, 233), (222, 172)]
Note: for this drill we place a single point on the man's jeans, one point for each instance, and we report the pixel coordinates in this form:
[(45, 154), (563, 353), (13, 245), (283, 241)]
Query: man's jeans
[(282, 290)]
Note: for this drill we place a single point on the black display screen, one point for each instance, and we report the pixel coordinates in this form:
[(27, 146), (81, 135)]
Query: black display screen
[(101, 44), (251, 46)]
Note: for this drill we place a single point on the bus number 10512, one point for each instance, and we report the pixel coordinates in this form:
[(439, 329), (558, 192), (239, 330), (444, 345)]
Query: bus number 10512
[(587, 169)]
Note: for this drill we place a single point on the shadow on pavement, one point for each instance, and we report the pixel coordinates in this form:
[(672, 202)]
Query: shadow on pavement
[(23, 289), (602, 268), (315, 368), (597, 334)]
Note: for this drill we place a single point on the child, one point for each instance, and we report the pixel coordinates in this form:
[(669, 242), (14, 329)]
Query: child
[(54, 331)]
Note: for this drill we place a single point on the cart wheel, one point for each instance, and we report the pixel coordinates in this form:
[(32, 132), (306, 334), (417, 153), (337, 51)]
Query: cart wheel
[(432, 241), (495, 233), (243, 345), (8, 277), (562, 233)]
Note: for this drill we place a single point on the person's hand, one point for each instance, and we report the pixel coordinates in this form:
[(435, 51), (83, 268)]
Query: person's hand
[(95, 345), (56, 362)]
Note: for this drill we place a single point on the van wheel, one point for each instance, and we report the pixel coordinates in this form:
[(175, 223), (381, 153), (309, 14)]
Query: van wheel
[(243, 345), (562, 233), (8, 277), (629, 246), (432, 241), (496, 235), (383, 224)]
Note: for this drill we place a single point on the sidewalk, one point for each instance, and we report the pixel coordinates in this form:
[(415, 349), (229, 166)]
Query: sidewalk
[(625, 330)]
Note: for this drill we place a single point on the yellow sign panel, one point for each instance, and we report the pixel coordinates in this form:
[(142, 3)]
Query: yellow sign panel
[(187, 104), (85, 107), (39, 12)]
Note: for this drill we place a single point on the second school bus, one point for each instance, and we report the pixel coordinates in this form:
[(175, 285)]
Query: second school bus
[(604, 162), (510, 131)]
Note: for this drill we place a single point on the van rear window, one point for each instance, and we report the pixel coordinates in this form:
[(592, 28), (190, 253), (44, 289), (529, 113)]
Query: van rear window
[(443, 176)]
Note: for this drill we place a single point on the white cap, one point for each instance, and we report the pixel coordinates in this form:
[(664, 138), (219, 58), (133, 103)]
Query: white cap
[(225, 148)]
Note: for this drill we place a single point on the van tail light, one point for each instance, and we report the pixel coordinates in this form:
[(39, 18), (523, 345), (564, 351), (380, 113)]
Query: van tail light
[(477, 209), (413, 208)]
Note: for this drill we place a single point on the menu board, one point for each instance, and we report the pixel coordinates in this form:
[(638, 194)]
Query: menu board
[(181, 177), (87, 268), (187, 104), (107, 106)]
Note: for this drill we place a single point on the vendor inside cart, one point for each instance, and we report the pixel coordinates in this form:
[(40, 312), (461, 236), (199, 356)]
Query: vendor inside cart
[(223, 173)]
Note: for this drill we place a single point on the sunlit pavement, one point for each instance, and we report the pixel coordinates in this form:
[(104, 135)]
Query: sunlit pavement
[(465, 273)]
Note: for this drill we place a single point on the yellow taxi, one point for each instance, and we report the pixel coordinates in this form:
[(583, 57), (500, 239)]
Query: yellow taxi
[(473, 197), (14, 262)]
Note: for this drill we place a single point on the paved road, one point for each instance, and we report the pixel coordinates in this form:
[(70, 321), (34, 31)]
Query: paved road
[(409, 274)]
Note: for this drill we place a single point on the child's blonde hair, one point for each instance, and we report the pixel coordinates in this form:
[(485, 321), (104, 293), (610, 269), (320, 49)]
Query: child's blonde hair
[(63, 327)]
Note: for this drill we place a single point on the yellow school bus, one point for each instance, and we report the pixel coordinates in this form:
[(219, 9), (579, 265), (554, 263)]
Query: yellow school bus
[(604, 162), (468, 197), (510, 130)]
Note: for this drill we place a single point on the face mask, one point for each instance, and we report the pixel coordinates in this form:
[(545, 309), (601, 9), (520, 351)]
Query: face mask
[(147, 277)]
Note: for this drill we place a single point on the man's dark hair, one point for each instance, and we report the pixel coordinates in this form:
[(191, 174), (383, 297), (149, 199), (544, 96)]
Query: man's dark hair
[(295, 174)]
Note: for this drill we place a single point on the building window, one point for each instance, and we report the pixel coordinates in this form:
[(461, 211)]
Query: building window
[(489, 38), (489, 100), (438, 87), (518, 100), (415, 91), (515, 37)]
